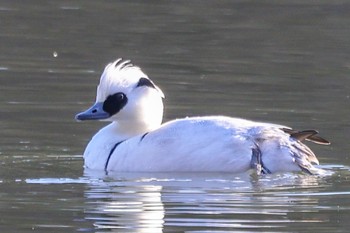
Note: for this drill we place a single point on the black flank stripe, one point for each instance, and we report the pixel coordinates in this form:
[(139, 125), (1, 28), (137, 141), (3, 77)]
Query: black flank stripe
[(143, 136), (111, 152)]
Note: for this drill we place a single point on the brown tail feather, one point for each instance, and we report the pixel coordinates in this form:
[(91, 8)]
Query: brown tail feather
[(309, 135)]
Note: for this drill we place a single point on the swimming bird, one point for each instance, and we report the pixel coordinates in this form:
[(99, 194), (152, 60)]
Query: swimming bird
[(137, 141)]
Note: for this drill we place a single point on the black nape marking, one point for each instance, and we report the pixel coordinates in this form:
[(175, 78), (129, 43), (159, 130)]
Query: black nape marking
[(111, 152), (145, 82), (114, 103)]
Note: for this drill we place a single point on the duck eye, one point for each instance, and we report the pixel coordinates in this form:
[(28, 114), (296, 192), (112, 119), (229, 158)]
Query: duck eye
[(120, 96), (114, 103)]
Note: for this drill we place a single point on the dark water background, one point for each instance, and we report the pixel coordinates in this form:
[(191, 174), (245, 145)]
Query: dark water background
[(286, 62)]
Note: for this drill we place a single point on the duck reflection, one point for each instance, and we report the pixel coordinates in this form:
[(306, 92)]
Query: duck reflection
[(121, 207), (159, 202)]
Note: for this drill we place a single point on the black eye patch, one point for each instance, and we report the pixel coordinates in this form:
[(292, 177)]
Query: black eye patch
[(114, 103)]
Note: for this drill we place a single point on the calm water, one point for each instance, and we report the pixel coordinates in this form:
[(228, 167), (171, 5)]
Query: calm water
[(281, 61)]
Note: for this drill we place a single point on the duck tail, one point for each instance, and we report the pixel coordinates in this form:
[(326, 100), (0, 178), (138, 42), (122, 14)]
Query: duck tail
[(309, 135), (276, 154), (304, 156)]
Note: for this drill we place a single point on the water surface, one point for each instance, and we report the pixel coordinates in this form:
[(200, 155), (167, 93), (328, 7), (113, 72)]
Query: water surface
[(280, 61)]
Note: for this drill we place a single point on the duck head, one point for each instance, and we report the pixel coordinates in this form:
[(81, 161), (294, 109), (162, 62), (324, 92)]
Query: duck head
[(128, 97)]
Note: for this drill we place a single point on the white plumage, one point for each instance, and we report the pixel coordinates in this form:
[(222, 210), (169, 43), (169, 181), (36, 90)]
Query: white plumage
[(136, 141)]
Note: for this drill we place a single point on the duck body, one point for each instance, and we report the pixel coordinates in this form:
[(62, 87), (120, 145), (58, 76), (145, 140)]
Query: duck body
[(131, 143), (196, 144)]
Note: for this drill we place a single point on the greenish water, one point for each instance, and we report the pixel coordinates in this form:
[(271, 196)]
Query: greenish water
[(280, 61)]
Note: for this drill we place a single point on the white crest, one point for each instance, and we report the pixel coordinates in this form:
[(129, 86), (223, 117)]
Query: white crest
[(119, 76)]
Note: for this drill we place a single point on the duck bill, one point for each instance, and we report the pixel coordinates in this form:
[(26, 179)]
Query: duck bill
[(96, 112)]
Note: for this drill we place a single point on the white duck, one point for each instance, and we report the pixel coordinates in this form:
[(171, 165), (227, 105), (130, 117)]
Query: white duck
[(136, 141)]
